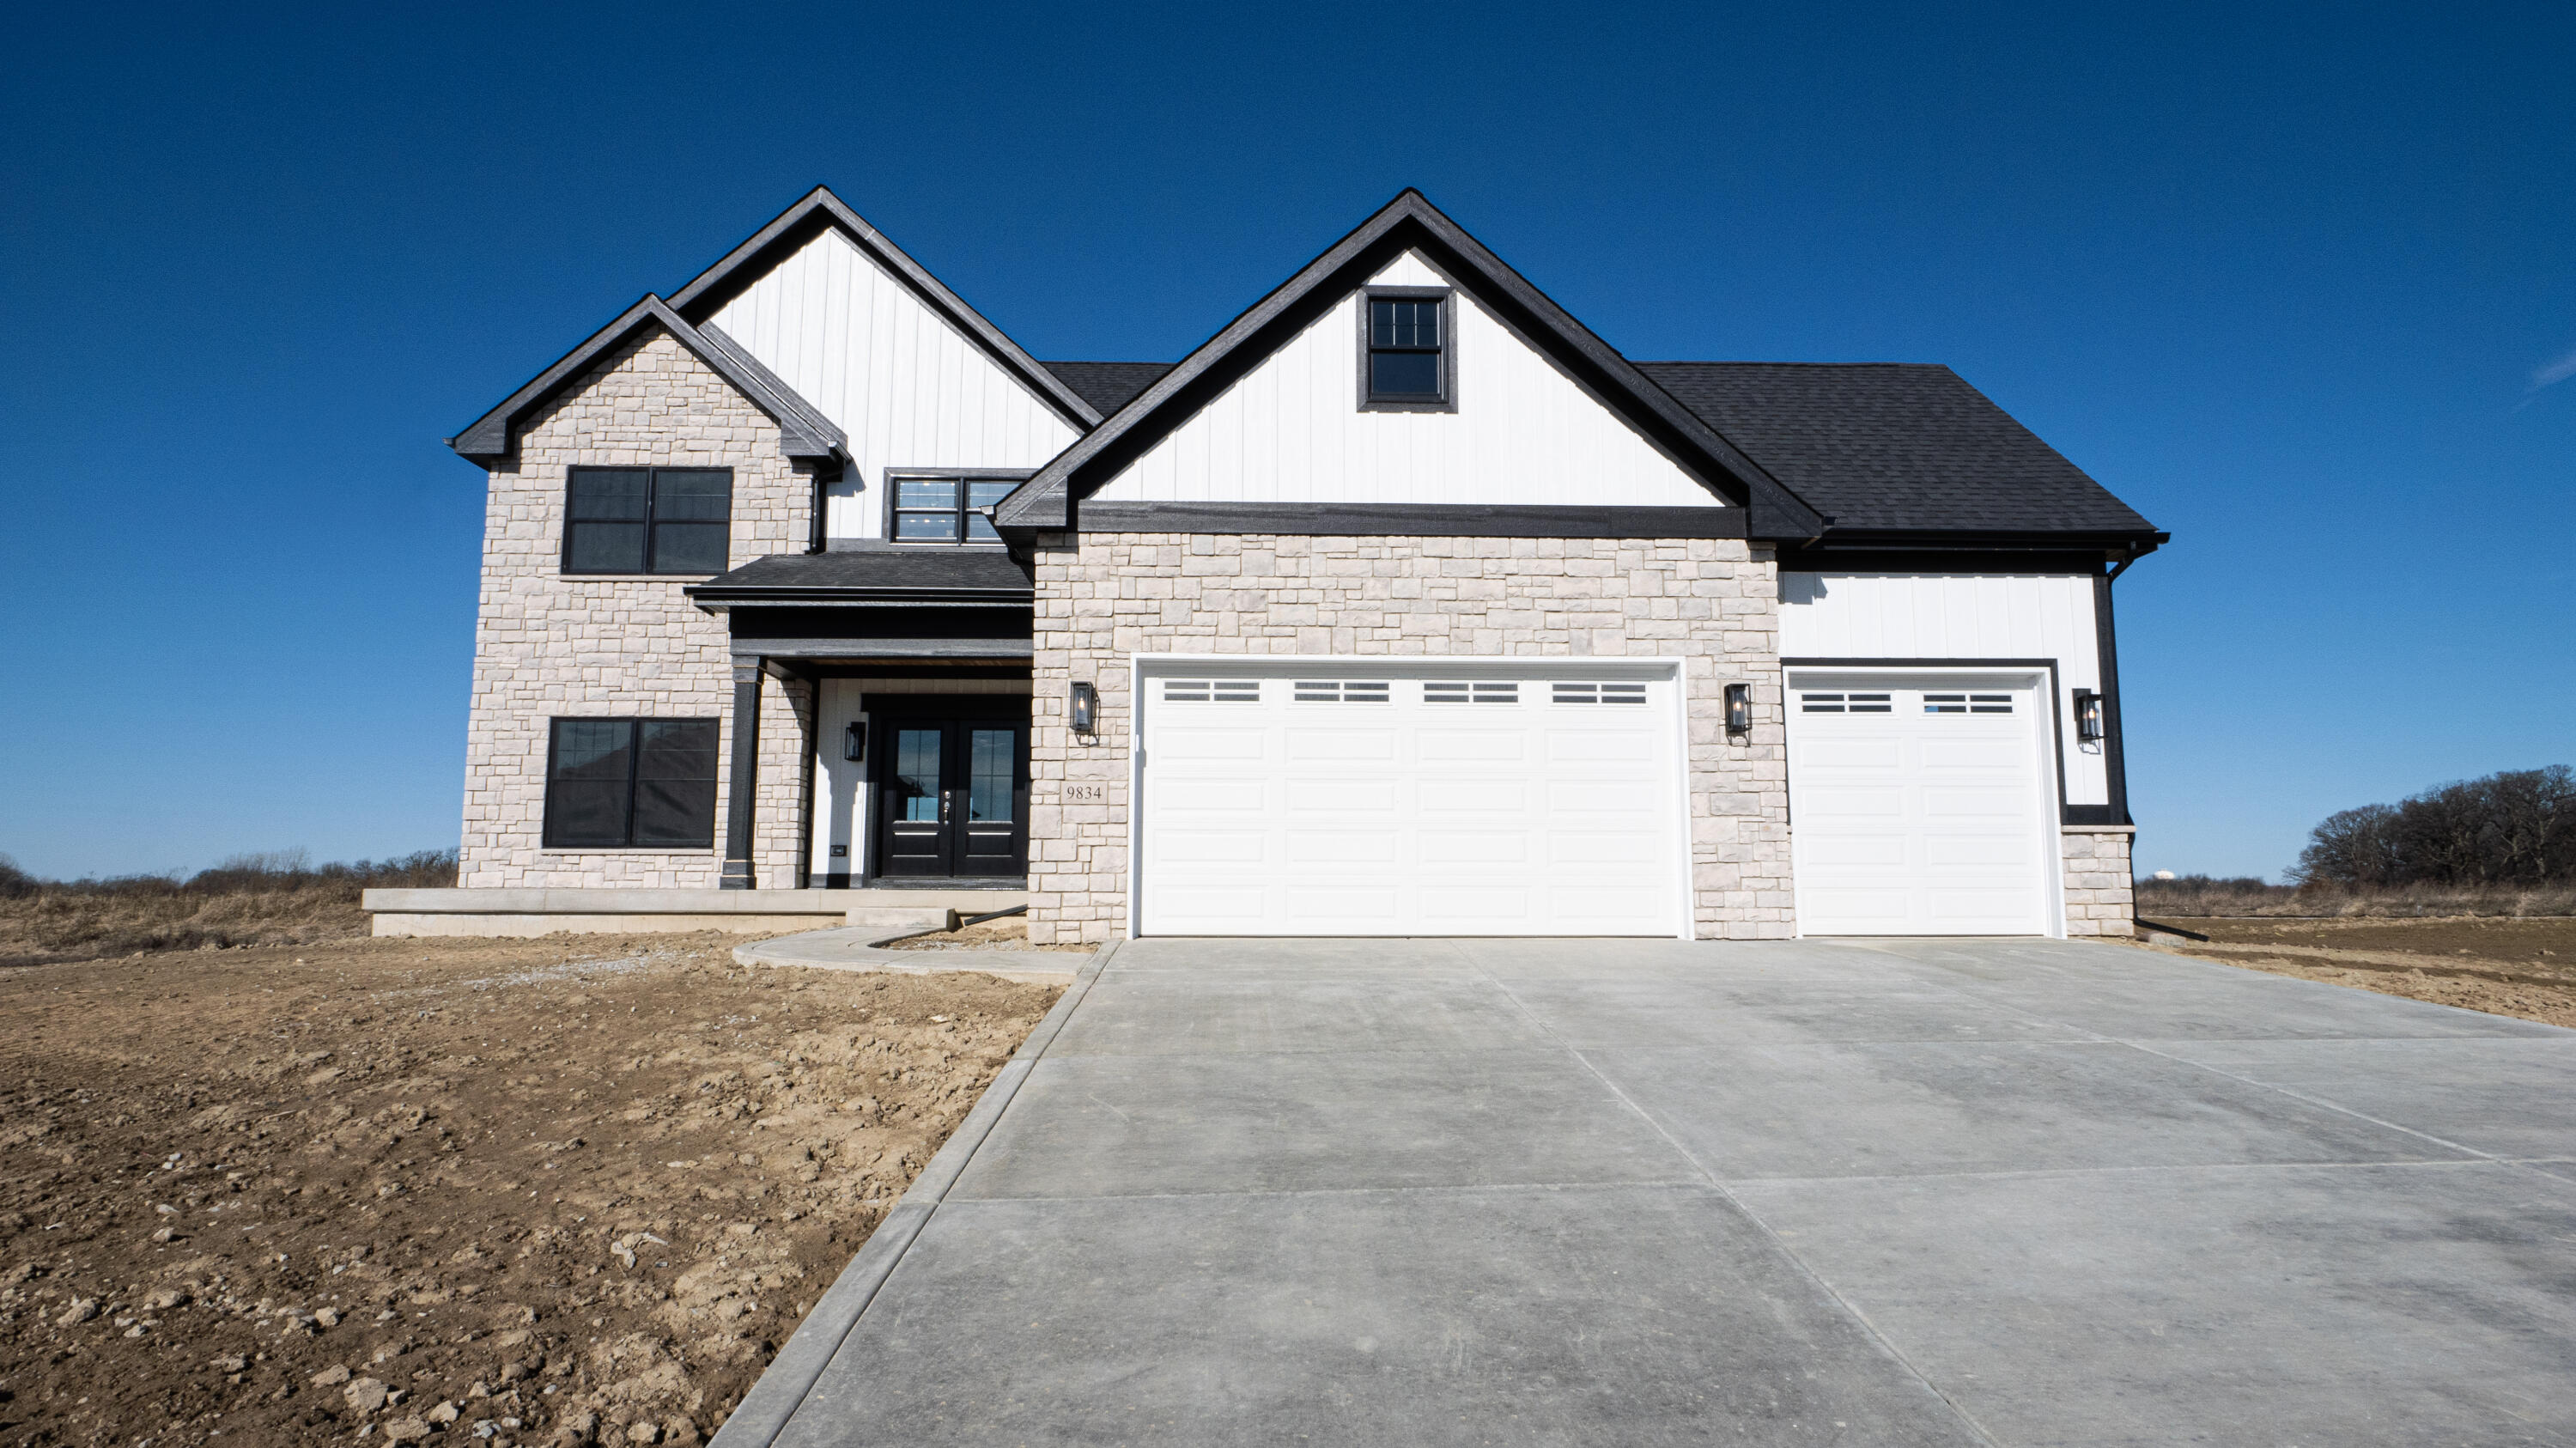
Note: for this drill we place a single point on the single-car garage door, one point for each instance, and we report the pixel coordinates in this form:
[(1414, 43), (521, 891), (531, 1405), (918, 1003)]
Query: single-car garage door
[(1918, 805), (1352, 797)]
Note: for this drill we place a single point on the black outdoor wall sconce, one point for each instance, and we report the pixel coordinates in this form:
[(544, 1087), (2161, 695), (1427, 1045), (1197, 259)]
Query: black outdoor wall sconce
[(1086, 708), (1739, 710), (2088, 717), (854, 741)]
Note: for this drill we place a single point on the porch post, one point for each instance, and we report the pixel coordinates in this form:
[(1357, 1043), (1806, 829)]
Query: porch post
[(746, 775)]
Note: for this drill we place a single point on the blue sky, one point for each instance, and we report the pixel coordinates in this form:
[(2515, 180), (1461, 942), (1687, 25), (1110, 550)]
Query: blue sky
[(2291, 281)]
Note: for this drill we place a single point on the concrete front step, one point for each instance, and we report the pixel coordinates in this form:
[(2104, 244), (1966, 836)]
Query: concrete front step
[(622, 912)]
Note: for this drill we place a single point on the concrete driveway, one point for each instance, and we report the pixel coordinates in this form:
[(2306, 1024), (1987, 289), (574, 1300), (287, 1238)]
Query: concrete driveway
[(1618, 1192)]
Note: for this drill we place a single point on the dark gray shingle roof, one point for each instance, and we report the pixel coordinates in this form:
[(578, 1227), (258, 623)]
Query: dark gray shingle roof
[(1108, 386), (883, 566), (1895, 446)]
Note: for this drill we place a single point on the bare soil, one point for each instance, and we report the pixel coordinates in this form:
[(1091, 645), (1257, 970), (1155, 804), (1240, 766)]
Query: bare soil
[(2506, 966), (550, 1191)]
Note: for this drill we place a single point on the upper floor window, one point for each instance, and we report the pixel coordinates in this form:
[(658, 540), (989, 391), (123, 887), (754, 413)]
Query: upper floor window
[(647, 520), (947, 509), (1405, 362)]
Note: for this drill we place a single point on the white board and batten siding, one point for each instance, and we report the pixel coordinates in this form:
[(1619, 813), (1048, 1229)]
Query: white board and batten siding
[(909, 389), (1950, 617), (1292, 431)]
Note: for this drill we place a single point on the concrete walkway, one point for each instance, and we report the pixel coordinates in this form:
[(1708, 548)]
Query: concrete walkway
[(856, 948), (1549, 1192)]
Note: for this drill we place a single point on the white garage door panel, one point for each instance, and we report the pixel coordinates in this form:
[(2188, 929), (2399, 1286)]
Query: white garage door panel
[(1437, 801), (1917, 812)]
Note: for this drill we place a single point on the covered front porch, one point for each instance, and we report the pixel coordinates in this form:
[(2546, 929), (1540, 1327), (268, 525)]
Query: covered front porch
[(908, 669)]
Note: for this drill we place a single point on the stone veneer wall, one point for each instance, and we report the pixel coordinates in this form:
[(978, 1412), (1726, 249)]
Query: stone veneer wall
[(1102, 597), (547, 646), (2101, 896)]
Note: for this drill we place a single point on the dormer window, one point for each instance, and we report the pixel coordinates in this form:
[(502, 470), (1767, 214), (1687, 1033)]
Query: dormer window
[(1406, 361), (947, 509)]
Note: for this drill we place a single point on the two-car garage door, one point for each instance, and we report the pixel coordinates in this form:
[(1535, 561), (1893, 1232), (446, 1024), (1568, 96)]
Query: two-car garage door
[(1341, 797)]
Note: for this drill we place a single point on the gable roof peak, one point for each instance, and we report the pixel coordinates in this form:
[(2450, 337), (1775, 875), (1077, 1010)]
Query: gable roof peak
[(803, 431), (820, 210), (1408, 222)]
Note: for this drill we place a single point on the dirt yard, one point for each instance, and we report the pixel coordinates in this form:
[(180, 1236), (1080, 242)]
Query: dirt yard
[(2515, 967), (532, 1192)]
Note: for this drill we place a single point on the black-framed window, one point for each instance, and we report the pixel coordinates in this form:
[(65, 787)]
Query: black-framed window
[(616, 784), (1406, 346), (947, 509), (647, 520)]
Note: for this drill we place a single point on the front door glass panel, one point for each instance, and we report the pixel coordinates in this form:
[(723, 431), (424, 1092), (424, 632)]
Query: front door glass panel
[(992, 758), (916, 775)]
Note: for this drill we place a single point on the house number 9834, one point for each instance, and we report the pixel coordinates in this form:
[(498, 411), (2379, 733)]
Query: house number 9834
[(1081, 793)]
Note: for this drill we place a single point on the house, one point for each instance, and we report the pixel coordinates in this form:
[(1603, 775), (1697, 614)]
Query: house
[(1403, 605)]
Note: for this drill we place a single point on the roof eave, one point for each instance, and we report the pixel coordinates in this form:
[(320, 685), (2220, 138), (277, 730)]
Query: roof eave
[(2128, 542)]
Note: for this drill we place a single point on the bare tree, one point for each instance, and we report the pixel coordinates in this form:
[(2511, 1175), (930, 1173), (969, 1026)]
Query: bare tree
[(2517, 827)]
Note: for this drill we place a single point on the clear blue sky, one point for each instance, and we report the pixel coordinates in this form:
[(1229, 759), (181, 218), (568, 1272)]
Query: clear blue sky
[(2294, 283)]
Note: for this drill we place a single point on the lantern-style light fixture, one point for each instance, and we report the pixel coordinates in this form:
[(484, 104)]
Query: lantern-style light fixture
[(854, 741), (2088, 716), (1086, 708), (1739, 710)]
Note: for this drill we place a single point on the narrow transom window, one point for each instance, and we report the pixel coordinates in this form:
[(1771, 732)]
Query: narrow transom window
[(1405, 358), (647, 520), (947, 510), (631, 783)]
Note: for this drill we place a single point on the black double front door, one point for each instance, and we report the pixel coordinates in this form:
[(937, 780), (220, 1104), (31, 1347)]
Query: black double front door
[(952, 796)]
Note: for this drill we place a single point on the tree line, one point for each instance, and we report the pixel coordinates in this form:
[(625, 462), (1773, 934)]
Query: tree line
[(2513, 828)]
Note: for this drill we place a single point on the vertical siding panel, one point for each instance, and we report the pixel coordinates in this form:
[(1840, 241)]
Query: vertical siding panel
[(1290, 431)]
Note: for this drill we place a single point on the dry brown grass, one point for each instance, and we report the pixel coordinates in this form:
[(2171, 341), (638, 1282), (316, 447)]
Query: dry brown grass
[(2196, 896), (274, 899), (60, 925)]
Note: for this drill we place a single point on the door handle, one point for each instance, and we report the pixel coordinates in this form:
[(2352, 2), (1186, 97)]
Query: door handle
[(947, 799)]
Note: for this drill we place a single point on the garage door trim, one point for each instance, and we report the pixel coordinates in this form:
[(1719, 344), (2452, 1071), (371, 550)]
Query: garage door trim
[(2037, 678), (1144, 668)]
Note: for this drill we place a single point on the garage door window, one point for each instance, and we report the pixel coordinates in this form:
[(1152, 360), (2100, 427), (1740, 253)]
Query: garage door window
[(1471, 691), (1845, 703), (1340, 691), (1967, 703), (1600, 693), (1211, 691)]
